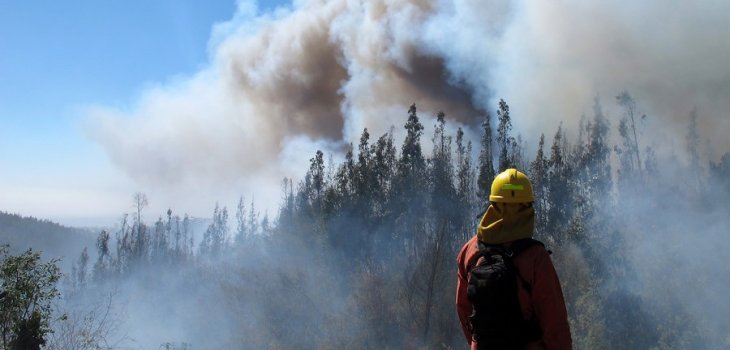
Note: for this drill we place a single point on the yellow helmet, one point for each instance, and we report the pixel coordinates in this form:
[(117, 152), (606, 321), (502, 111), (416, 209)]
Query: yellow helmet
[(511, 186)]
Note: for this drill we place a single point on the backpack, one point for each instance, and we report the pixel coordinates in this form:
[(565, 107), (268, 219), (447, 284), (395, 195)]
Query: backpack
[(496, 319)]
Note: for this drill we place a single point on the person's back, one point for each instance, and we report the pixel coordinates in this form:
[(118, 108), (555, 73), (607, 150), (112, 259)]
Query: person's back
[(508, 223)]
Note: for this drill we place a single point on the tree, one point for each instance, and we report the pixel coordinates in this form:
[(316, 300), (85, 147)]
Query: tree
[(410, 199), (517, 154), (102, 264), (364, 179), (286, 209), (486, 159), (504, 141), (140, 201), (86, 324), (187, 238), (597, 157), (179, 240), (124, 247), (538, 176), (312, 188), (559, 187), (81, 266), (383, 169), (362, 170), (693, 142), (345, 175), (316, 170), (412, 163), (434, 276), (629, 121), (265, 225), (140, 237), (216, 235), (253, 219), (721, 173), (158, 249), (465, 187), (442, 173), (241, 228), (26, 308)]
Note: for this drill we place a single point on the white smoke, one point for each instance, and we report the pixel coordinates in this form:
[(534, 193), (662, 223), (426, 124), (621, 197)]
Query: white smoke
[(558, 55), (312, 76)]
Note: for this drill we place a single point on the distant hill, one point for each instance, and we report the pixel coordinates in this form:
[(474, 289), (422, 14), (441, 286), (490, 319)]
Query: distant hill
[(52, 239)]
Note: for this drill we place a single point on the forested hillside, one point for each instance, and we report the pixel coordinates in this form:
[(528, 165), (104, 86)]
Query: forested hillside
[(56, 241), (362, 253)]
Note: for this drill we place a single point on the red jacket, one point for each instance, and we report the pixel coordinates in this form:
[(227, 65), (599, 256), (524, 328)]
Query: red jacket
[(545, 303)]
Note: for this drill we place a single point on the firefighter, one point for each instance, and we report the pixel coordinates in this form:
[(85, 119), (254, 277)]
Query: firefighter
[(504, 239)]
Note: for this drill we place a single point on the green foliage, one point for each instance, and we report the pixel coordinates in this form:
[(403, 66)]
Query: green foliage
[(30, 288)]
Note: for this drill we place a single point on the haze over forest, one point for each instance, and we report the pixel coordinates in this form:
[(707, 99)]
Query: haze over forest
[(376, 235), (342, 152)]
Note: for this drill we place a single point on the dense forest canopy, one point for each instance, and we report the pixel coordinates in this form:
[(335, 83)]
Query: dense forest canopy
[(362, 252)]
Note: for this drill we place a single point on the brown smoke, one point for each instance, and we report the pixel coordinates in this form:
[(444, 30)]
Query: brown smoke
[(298, 93), (281, 85)]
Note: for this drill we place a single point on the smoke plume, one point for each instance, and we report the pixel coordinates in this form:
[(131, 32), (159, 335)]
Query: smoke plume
[(314, 74)]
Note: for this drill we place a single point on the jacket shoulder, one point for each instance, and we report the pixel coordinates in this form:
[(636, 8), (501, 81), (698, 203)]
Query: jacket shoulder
[(467, 252)]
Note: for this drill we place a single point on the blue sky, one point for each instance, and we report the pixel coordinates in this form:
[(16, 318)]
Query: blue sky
[(61, 57)]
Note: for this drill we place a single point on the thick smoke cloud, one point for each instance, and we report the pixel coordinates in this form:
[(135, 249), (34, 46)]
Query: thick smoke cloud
[(557, 55), (312, 76)]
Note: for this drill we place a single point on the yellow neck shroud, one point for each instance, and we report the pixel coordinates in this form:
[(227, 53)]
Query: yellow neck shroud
[(513, 222)]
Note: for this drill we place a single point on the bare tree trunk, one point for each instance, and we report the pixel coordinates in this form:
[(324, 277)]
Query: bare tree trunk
[(430, 285)]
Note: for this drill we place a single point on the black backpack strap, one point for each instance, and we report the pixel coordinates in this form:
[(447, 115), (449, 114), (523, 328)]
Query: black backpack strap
[(517, 248), (486, 251), (514, 250), (531, 327), (474, 259), (521, 245)]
